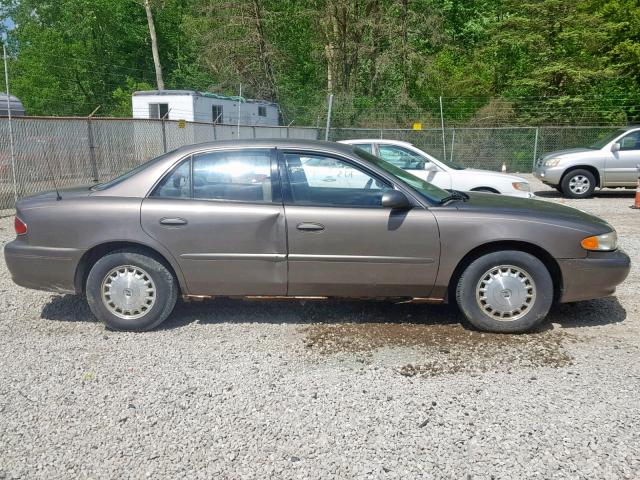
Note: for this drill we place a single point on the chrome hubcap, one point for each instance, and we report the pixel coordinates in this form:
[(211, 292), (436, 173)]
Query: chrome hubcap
[(506, 292), (579, 184), (128, 292)]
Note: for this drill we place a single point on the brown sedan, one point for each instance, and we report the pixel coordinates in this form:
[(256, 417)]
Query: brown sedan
[(306, 219)]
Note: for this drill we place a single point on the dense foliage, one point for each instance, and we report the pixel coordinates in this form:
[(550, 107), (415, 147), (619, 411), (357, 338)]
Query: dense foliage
[(388, 62)]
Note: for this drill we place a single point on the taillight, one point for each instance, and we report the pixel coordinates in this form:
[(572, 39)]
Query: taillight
[(20, 226)]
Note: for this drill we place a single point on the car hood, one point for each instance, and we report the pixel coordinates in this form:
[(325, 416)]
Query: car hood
[(534, 210), (504, 176), (568, 151)]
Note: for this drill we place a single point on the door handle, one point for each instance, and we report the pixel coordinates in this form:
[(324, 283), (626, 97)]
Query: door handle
[(173, 222), (310, 227)]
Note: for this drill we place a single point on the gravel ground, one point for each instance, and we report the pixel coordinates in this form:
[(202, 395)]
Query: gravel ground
[(247, 389)]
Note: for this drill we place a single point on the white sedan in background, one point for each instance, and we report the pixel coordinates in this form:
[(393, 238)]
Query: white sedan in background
[(443, 175)]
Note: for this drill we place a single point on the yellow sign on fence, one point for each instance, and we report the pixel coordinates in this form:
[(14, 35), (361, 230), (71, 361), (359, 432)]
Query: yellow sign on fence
[(182, 124), (417, 126)]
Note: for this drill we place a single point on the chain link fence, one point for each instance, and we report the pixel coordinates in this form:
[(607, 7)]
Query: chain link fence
[(81, 151), (487, 148)]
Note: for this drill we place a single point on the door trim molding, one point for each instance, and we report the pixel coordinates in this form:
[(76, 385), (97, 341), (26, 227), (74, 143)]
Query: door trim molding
[(272, 257), (359, 259)]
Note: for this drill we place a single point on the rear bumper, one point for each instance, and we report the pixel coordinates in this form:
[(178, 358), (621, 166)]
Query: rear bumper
[(595, 276), (42, 268)]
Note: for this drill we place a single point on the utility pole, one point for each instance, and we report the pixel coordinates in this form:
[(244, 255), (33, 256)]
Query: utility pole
[(239, 104), (444, 143), (328, 127), (13, 155), (154, 45)]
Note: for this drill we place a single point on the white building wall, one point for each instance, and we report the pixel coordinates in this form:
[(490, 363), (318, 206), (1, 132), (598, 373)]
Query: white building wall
[(196, 108), (180, 106)]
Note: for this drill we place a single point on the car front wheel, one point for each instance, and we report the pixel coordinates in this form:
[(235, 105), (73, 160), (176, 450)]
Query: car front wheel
[(130, 290), (505, 292), (578, 184)]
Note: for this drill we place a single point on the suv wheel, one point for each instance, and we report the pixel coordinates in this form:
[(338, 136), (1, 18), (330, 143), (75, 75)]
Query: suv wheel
[(578, 184), (129, 290), (505, 292)]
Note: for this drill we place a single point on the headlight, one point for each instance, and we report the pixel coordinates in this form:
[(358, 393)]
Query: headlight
[(522, 186), (604, 242), (552, 162)]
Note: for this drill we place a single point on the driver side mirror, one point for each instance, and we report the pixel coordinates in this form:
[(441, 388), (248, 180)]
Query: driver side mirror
[(395, 200), (615, 147)]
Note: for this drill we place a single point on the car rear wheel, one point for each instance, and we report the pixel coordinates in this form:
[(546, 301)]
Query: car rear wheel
[(130, 290), (578, 184), (505, 292)]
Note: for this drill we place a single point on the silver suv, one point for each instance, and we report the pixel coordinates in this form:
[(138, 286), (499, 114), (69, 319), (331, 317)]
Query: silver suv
[(610, 162)]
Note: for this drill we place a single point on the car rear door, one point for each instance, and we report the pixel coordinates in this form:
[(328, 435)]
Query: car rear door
[(220, 214), (621, 166), (342, 242)]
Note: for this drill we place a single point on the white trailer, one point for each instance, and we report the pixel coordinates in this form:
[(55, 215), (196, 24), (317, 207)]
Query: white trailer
[(203, 107)]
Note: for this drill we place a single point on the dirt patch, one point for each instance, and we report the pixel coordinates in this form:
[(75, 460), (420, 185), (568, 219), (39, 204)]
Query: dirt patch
[(443, 349)]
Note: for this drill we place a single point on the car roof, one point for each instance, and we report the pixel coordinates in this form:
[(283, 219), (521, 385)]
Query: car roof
[(374, 140), (141, 181), (265, 143)]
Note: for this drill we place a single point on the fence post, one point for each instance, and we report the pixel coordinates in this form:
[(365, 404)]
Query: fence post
[(326, 132), (92, 146), (444, 142), (254, 132), (13, 155), (535, 148), (453, 142), (164, 136)]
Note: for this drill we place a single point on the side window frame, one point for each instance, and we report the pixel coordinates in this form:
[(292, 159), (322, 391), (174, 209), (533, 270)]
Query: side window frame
[(405, 151), (276, 182), (287, 191), (620, 141)]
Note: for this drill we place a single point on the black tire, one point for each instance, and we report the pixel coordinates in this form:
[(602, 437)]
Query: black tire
[(530, 316), (578, 183), (166, 290)]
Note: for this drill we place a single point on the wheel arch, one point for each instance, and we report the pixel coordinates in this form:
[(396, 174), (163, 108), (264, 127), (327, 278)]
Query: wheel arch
[(485, 189), (540, 253), (590, 168), (98, 251)]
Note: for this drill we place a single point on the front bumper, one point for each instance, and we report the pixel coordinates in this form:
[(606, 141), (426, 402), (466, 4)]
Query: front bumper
[(594, 276), (42, 268), (549, 175)]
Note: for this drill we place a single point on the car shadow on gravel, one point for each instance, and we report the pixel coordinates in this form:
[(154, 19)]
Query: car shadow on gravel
[(591, 313), (67, 308), (226, 310), (73, 308), (597, 194)]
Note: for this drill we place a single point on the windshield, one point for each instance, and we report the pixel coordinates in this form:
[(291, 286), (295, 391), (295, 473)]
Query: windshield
[(452, 165), (129, 174), (429, 191), (606, 139)]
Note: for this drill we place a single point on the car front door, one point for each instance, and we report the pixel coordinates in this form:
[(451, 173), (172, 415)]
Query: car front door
[(342, 242), (220, 214), (621, 167), (415, 163)]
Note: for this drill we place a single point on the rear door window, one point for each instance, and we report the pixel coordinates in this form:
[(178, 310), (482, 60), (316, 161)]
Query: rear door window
[(232, 175)]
